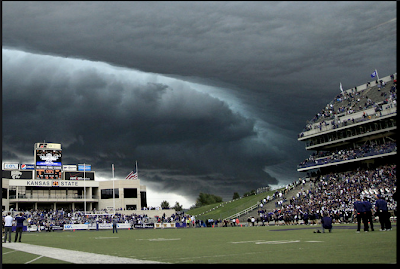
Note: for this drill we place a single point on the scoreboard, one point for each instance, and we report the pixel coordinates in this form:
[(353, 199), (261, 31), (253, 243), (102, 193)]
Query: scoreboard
[(48, 174)]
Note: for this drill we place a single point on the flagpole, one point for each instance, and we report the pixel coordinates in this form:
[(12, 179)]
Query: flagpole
[(113, 188), (377, 74), (84, 185), (137, 171)]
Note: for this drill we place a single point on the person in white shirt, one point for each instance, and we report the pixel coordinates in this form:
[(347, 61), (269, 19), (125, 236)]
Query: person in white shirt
[(8, 227)]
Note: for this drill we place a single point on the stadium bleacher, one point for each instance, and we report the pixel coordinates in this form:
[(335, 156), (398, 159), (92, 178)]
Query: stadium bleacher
[(347, 105), (353, 144)]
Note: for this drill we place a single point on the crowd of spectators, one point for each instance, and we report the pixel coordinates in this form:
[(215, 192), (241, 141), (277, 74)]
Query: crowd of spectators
[(60, 217), (335, 195), (349, 102), (365, 150)]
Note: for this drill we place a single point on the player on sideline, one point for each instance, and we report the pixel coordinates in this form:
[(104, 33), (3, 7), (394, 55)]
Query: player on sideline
[(115, 222), (384, 215), (8, 227), (20, 224), (326, 222), (360, 210)]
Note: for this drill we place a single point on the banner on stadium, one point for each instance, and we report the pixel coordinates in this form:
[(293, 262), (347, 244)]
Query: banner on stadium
[(96, 226), (144, 225), (70, 227), (164, 225), (34, 228), (180, 225)]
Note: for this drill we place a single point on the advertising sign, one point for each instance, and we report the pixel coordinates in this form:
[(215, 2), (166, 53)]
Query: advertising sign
[(97, 226), (84, 167), (10, 166), (25, 166), (75, 227), (165, 225), (79, 175), (48, 146), (144, 226), (69, 167), (17, 174)]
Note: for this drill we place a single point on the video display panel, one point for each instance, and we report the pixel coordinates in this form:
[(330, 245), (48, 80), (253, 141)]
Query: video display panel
[(48, 157)]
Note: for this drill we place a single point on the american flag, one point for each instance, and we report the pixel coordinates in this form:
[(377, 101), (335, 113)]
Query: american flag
[(132, 175)]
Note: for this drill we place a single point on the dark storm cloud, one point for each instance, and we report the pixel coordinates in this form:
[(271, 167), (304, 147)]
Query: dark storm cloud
[(102, 116), (275, 64)]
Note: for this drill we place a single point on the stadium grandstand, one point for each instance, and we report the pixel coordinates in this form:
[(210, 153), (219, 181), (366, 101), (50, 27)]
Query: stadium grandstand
[(353, 147)]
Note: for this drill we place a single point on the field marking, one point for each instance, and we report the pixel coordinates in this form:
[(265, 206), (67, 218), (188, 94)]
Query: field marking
[(243, 242), (260, 242), (73, 256), (100, 237), (159, 239), (34, 259), (9, 252), (278, 242), (191, 259)]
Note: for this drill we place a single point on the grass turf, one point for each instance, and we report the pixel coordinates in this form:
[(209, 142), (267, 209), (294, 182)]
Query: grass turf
[(273, 244)]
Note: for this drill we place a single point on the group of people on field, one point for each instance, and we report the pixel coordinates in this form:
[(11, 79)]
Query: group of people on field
[(364, 213)]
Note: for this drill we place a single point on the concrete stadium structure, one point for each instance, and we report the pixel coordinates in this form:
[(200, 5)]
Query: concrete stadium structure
[(48, 184)]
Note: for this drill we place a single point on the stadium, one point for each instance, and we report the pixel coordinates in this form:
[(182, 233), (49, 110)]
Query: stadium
[(49, 185), (352, 144)]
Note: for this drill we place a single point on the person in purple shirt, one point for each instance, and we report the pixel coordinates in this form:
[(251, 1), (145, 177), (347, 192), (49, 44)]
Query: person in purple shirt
[(383, 213), (20, 224), (361, 212), (368, 208), (326, 222)]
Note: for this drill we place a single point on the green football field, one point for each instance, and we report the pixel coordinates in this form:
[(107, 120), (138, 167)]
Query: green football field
[(273, 244)]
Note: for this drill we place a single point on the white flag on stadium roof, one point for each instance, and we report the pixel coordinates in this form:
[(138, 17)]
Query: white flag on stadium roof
[(341, 88)]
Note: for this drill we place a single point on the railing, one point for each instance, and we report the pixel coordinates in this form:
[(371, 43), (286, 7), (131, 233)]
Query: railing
[(316, 128), (244, 211)]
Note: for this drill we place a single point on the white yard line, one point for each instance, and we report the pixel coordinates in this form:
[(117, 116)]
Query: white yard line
[(4, 253), (34, 259), (72, 256)]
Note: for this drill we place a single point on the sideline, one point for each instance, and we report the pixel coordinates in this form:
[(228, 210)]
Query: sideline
[(72, 256)]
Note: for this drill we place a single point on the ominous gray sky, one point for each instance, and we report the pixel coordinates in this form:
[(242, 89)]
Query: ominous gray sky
[(206, 96)]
